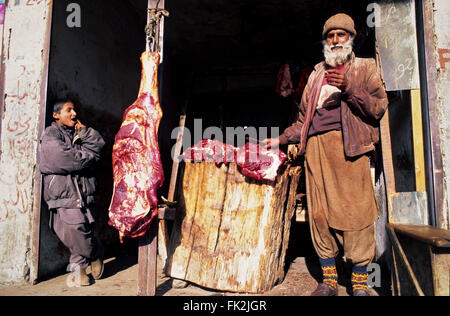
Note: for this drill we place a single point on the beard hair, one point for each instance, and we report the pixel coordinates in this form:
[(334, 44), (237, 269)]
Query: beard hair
[(338, 58)]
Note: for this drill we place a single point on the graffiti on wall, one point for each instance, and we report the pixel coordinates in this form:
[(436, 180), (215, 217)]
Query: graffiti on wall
[(18, 144)]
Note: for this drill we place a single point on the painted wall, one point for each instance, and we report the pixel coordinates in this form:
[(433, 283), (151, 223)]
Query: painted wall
[(442, 40), (22, 63)]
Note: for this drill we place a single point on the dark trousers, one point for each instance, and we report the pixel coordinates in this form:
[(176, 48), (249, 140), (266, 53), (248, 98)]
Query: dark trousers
[(74, 227)]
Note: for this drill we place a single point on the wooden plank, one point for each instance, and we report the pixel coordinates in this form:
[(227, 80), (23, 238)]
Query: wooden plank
[(431, 235), (419, 158)]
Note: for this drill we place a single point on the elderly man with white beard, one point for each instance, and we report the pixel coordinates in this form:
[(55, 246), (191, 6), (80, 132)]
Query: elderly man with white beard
[(337, 128)]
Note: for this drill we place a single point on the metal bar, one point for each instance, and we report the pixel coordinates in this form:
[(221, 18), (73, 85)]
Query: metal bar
[(428, 76)]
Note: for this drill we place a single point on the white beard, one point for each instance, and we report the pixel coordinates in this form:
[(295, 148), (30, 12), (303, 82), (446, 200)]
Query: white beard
[(340, 57)]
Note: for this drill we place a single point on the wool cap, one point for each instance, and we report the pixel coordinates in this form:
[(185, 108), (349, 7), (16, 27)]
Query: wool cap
[(339, 21)]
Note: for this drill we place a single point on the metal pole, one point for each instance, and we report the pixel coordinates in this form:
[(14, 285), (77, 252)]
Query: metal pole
[(425, 113)]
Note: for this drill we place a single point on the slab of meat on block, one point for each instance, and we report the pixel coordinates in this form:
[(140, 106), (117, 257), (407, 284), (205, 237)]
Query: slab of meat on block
[(210, 150), (258, 163), (253, 160), (137, 167)]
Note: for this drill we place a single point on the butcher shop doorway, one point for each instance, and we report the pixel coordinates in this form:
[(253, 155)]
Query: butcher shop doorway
[(220, 65), (222, 59), (94, 61)]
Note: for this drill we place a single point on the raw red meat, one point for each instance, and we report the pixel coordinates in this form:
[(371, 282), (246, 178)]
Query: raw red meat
[(253, 160), (137, 167), (258, 163), (210, 150)]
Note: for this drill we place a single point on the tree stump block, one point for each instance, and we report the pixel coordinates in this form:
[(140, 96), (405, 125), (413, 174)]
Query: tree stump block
[(231, 232)]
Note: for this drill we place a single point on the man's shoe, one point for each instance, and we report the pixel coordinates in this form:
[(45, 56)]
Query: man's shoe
[(78, 277), (360, 293), (97, 268), (324, 290)]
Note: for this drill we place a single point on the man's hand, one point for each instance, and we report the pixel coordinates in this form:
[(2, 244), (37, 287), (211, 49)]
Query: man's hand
[(269, 143), (79, 125), (336, 78)]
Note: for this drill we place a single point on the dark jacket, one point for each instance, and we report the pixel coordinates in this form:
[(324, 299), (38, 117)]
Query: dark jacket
[(66, 163), (363, 104)]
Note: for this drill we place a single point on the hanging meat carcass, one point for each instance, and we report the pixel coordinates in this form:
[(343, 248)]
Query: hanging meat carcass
[(137, 167)]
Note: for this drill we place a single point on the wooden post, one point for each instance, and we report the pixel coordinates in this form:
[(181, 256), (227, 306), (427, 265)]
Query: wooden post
[(163, 233), (147, 261), (148, 244)]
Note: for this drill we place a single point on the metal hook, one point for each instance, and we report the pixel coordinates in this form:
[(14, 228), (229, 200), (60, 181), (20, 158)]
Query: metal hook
[(152, 27)]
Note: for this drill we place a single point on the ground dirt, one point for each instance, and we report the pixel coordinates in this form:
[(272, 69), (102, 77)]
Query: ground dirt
[(120, 276), (120, 279)]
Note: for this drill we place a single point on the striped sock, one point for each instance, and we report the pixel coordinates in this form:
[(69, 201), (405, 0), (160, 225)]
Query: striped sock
[(359, 278), (329, 272)]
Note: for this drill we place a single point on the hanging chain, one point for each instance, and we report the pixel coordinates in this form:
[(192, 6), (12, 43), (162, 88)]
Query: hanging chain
[(152, 27)]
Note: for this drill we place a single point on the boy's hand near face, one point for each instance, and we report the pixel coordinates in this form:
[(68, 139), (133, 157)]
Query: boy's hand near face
[(79, 125)]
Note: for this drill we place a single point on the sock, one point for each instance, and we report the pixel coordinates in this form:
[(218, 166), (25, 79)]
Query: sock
[(329, 272), (359, 278)]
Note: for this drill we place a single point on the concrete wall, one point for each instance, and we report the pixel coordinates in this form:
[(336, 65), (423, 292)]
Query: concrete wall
[(442, 41), (23, 64)]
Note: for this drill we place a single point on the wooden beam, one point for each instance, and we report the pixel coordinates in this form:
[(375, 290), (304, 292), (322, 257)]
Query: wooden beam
[(417, 128)]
